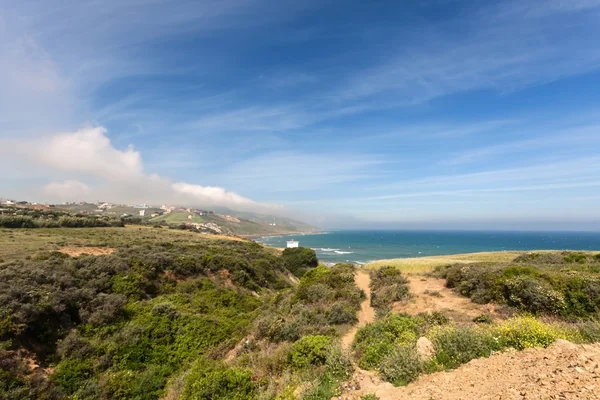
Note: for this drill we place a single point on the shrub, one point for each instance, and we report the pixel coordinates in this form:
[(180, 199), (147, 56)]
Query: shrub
[(299, 260), (369, 397), (323, 388), (578, 258), (433, 318), (338, 362), (375, 341), (458, 345), (310, 350), (401, 366), (523, 332), (216, 382), (71, 374), (589, 331), (388, 285), (483, 319)]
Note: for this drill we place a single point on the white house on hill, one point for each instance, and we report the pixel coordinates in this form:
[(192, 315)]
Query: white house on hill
[(292, 244)]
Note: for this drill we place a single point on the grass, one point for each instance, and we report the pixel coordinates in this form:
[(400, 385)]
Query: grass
[(18, 244), (178, 217), (423, 265)]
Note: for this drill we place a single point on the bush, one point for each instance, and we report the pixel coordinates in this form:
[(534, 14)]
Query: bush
[(71, 374), (388, 285), (310, 350), (375, 341), (571, 291), (369, 397), (216, 382), (589, 331), (338, 362), (458, 345), (401, 366), (299, 260), (483, 319), (523, 332)]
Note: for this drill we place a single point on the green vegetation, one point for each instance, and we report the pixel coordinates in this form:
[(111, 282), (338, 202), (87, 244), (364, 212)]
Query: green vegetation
[(388, 346), (562, 284), (162, 311), (388, 285), (369, 397), (175, 314), (178, 217), (324, 298), (119, 326), (299, 260), (27, 218)]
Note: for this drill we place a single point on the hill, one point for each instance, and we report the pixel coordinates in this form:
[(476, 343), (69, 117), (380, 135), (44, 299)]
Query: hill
[(225, 221), (141, 312)]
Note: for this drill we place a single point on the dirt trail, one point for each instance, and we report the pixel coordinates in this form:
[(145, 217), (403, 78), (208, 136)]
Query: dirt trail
[(562, 371), (366, 313), (431, 294)]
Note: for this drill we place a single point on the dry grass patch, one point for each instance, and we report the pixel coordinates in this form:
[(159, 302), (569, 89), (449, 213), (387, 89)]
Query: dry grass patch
[(422, 265)]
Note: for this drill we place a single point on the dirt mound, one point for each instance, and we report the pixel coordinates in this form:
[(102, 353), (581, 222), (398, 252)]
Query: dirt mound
[(562, 371), (366, 313), (92, 251)]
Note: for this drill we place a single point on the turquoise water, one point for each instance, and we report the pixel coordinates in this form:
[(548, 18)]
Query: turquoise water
[(364, 246)]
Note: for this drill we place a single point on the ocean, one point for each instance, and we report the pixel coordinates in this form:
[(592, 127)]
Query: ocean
[(360, 247)]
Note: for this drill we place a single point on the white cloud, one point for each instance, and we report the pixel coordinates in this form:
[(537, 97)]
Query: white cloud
[(89, 151), (118, 175), (213, 194), (66, 191)]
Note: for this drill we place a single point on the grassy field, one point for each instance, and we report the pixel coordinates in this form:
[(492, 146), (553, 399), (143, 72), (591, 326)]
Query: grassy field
[(178, 217), (18, 244), (420, 265)]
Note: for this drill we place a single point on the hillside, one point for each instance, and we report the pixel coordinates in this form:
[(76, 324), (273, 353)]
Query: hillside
[(227, 221), (140, 312)]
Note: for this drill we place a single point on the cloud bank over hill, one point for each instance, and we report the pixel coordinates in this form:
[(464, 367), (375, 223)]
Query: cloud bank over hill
[(91, 168)]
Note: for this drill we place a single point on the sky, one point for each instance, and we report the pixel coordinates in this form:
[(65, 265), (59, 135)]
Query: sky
[(448, 114)]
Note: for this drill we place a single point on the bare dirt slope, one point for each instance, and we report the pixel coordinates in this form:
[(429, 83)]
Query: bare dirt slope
[(92, 251), (562, 371), (431, 294), (366, 313)]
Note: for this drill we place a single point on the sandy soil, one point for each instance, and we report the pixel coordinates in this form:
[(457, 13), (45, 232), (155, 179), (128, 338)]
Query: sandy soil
[(430, 294), (93, 251), (562, 371), (366, 313)]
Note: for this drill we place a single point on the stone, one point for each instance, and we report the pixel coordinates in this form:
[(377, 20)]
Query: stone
[(425, 348)]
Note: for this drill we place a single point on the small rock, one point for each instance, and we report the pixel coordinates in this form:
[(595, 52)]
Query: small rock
[(425, 348)]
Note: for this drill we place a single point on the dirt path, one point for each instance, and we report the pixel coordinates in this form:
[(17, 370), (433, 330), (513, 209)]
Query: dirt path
[(431, 294), (366, 313), (562, 371)]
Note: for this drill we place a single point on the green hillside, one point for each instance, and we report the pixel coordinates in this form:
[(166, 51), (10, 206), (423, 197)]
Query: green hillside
[(158, 315), (178, 217)]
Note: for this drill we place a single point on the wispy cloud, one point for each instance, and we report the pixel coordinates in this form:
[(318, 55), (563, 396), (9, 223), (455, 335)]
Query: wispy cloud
[(505, 49)]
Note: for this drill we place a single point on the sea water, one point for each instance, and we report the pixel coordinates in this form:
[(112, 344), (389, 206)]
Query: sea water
[(361, 247)]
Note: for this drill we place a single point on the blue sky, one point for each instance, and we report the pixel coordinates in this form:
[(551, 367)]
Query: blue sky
[(428, 113)]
